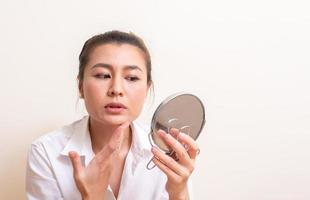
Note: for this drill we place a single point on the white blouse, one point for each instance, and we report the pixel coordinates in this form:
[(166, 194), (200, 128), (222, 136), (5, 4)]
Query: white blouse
[(49, 172)]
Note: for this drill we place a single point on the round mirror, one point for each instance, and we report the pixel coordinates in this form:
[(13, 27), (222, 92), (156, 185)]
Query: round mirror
[(182, 111)]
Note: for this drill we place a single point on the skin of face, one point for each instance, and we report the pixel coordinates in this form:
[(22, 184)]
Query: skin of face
[(115, 73)]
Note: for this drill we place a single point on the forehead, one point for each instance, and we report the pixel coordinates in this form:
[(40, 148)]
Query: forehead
[(118, 56)]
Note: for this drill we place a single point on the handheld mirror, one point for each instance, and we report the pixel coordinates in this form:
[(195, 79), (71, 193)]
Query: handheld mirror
[(181, 111)]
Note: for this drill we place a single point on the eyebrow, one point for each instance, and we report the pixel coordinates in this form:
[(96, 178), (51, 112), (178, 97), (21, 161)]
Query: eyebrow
[(108, 66)]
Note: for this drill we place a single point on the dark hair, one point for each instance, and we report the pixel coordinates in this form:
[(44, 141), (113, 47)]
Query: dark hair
[(116, 37)]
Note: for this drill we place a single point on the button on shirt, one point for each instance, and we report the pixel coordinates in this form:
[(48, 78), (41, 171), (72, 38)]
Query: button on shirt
[(49, 172)]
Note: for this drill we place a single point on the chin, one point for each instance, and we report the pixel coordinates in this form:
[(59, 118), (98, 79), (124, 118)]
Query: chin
[(115, 120)]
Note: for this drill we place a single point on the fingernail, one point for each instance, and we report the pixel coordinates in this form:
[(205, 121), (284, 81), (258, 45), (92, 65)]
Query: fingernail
[(174, 130), (154, 149), (161, 130), (162, 133), (180, 135)]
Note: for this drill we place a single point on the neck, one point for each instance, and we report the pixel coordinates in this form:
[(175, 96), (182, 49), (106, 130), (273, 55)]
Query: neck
[(101, 134)]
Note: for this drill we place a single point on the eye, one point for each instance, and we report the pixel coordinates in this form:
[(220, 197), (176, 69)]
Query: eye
[(103, 76), (132, 78)]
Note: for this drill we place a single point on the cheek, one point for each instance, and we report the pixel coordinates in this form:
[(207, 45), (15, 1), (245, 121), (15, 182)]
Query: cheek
[(137, 95), (92, 91)]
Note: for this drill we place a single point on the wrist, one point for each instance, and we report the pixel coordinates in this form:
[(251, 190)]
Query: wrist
[(88, 197), (92, 196), (180, 195)]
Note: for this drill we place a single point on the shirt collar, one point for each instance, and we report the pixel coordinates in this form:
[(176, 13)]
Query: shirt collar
[(140, 141), (80, 140)]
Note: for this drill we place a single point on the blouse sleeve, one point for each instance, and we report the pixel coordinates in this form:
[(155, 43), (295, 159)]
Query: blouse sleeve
[(40, 180)]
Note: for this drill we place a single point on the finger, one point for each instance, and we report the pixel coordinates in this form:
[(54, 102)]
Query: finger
[(76, 162), (118, 135), (190, 144), (169, 162), (170, 174), (176, 146), (114, 143), (175, 133)]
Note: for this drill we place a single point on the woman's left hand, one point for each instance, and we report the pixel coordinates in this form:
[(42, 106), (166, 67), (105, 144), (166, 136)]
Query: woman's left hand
[(177, 170)]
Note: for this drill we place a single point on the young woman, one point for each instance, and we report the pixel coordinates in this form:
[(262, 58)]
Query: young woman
[(104, 155)]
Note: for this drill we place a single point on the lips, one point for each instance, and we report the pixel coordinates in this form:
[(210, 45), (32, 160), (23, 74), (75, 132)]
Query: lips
[(115, 108), (115, 105)]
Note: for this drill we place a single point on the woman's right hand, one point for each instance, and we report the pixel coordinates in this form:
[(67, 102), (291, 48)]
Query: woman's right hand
[(92, 181)]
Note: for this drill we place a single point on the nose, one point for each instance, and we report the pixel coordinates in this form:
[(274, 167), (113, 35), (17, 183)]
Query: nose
[(116, 88)]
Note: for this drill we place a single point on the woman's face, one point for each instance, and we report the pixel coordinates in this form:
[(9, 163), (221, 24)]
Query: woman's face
[(115, 83)]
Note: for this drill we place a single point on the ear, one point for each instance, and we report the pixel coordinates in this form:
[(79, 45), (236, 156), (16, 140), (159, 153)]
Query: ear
[(81, 95), (149, 84), (80, 86), (81, 91)]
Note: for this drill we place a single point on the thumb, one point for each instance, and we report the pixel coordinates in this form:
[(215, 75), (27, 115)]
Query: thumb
[(117, 137), (114, 143), (76, 162)]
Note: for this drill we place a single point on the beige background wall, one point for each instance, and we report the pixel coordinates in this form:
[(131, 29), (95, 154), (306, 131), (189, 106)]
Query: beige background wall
[(249, 60)]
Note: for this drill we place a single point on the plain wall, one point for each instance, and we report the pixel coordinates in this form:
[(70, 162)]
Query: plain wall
[(247, 60)]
